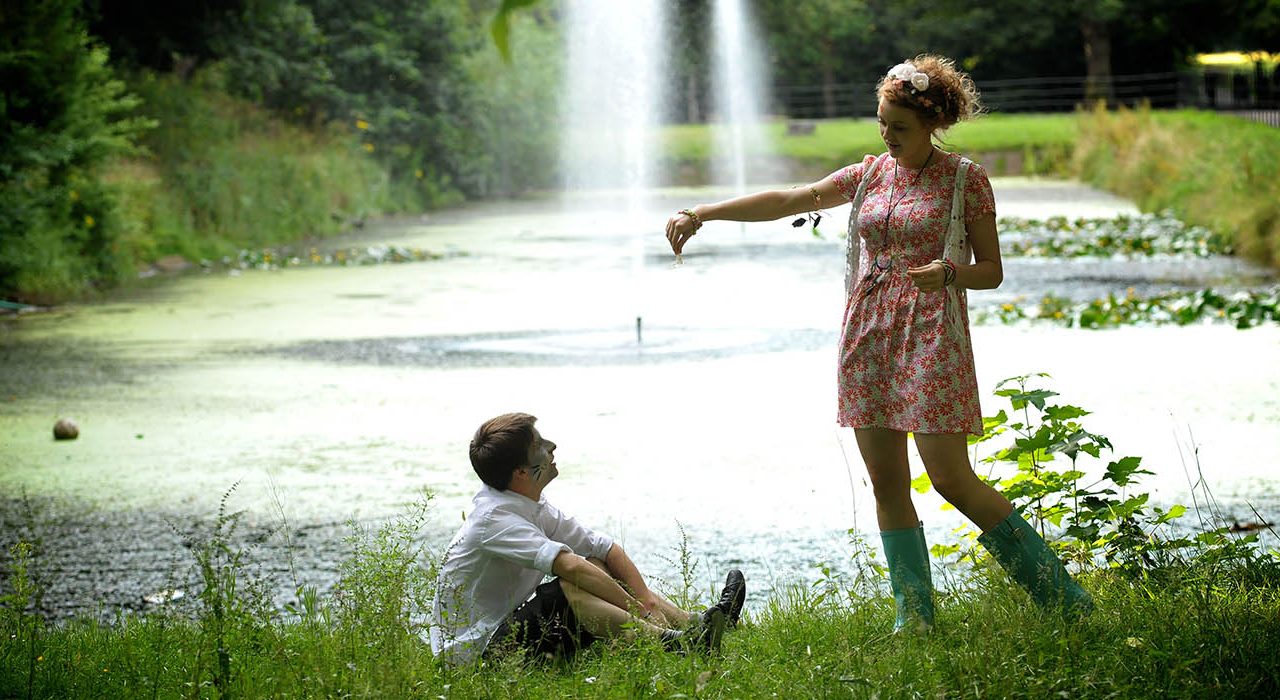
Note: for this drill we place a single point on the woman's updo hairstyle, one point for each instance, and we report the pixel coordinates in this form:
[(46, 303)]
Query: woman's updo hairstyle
[(950, 96)]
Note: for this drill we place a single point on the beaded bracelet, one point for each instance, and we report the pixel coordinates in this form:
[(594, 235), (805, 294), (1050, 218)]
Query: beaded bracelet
[(948, 271), (697, 222)]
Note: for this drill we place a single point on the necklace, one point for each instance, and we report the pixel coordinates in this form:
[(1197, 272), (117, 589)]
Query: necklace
[(881, 268)]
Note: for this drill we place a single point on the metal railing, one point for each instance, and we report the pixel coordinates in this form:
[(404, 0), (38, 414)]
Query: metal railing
[(1254, 95)]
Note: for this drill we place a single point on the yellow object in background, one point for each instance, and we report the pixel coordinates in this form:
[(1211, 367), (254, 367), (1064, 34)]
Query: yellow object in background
[(1236, 58)]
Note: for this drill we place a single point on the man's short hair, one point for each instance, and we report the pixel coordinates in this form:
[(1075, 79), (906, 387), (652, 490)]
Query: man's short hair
[(500, 446)]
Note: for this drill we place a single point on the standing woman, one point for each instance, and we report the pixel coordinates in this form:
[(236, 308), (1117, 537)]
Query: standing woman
[(906, 361)]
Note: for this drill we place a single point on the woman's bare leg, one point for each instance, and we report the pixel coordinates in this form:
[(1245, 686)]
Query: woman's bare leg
[(946, 458), (884, 452)]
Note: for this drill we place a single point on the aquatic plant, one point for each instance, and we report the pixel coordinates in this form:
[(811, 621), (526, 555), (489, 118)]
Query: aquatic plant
[(1244, 309), (286, 257), (1131, 236)]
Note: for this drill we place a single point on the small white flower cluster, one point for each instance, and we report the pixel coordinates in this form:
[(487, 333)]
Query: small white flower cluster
[(907, 72)]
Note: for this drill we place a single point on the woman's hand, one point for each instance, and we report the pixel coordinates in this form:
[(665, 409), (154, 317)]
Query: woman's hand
[(680, 228), (929, 277)]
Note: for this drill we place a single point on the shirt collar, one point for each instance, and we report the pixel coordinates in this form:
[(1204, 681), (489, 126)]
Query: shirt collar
[(520, 502)]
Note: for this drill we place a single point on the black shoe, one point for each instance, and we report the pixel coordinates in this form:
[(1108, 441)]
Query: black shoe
[(733, 596), (703, 635), (706, 636)]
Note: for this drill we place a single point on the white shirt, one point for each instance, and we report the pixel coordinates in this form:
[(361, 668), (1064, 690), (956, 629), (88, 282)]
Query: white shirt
[(499, 556)]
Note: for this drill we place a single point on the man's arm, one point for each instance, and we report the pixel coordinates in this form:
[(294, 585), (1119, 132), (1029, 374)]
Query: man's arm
[(594, 580), (621, 566)]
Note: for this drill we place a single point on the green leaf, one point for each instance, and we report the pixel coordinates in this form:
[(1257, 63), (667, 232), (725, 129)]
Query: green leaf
[(921, 483), (942, 551), (501, 25), (1123, 469), (1173, 513), (1064, 412)]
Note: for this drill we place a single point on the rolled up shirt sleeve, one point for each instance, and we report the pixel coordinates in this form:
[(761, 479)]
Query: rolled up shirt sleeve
[(516, 540), (581, 539)]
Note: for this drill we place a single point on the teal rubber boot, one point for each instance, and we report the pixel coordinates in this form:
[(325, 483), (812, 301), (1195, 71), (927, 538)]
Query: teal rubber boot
[(909, 577), (1030, 562)]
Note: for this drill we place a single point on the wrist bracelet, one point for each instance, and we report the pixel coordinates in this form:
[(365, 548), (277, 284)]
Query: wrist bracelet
[(697, 222), (948, 271)]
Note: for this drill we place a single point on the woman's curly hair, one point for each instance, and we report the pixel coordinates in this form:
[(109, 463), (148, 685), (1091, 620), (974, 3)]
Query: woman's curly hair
[(950, 98)]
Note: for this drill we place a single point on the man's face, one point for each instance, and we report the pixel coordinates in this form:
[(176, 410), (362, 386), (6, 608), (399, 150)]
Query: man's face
[(541, 460)]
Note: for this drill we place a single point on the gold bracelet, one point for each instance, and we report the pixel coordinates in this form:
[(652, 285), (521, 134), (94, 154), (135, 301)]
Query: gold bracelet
[(697, 222)]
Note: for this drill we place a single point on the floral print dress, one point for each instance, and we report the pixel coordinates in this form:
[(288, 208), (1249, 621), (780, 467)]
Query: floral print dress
[(902, 366)]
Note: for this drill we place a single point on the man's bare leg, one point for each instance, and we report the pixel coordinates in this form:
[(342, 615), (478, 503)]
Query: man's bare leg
[(604, 619), (672, 616)]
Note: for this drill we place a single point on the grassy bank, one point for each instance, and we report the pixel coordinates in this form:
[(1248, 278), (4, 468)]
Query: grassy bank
[(1208, 630), (221, 174), (1007, 144), (1192, 612), (1216, 171)]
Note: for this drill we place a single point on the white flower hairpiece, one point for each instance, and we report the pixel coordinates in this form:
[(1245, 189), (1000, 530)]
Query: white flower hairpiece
[(907, 72)]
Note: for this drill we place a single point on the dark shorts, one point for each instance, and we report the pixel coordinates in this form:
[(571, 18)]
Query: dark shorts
[(543, 627)]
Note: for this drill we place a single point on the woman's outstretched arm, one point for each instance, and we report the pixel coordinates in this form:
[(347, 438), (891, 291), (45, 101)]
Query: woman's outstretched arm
[(760, 206)]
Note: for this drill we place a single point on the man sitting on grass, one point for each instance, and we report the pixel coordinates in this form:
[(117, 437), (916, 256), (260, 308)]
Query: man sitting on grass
[(513, 537)]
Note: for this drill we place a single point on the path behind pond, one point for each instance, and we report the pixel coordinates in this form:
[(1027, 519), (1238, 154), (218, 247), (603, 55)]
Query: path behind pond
[(340, 393)]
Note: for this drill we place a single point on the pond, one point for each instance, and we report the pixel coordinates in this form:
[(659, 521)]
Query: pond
[(327, 394)]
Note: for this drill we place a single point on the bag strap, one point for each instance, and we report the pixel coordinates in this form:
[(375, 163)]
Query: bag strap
[(853, 242), (956, 249), (957, 243)]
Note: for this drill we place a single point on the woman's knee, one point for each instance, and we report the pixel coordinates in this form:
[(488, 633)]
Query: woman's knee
[(889, 481), (951, 485), (884, 452)]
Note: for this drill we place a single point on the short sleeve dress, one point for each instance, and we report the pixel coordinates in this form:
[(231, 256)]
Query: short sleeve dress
[(902, 366)]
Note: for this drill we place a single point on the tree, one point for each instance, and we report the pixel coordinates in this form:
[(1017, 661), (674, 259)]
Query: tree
[(62, 115), (828, 42)]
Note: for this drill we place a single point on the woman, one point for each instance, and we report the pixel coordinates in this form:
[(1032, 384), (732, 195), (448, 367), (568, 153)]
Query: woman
[(906, 361)]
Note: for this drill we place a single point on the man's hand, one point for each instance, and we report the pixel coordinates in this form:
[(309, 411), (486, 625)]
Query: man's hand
[(650, 611)]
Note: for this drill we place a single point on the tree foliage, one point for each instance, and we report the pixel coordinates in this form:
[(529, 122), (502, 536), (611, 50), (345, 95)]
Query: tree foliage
[(412, 80), (62, 114)]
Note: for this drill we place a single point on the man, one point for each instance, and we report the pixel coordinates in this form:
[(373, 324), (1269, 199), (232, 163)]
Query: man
[(513, 537)]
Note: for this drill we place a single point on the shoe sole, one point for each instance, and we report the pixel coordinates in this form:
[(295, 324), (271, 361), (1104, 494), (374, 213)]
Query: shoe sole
[(714, 631)]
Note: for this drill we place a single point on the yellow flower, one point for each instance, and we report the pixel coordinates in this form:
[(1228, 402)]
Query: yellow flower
[(362, 125), (419, 174), (1007, 307), (1057, 314), (88, 221), (368, 147)]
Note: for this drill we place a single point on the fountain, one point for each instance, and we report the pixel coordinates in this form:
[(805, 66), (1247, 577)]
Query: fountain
[(613, 110), (613, 107), (738, 71)]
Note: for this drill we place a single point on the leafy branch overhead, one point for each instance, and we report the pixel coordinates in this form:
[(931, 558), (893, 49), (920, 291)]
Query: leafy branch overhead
[(500, 28)]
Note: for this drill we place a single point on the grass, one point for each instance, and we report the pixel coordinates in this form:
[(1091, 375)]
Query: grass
[(220, 174), (1217, 171), (1195, 632), (1043, 140)]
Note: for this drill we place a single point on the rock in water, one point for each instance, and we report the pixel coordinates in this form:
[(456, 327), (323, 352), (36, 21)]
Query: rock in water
[(65, 429)]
